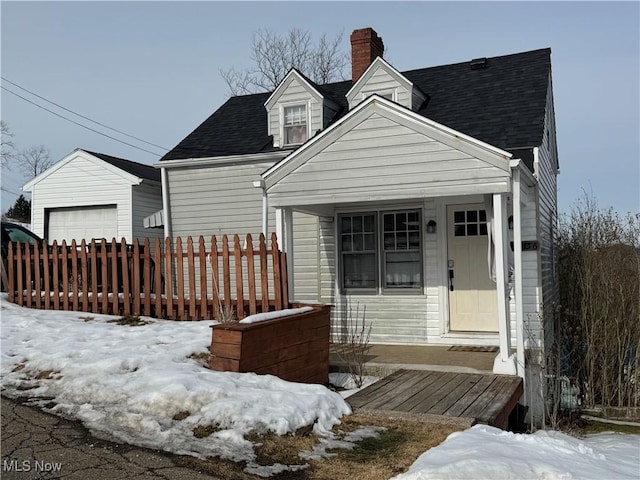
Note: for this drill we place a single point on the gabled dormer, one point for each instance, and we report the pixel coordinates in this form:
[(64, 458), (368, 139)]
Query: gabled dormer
[(296, 111), (384, 80)]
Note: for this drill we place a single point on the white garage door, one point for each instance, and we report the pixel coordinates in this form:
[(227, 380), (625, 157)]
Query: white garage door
[(82, 223)]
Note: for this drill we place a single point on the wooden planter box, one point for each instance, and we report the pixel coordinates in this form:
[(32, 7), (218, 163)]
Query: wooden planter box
[(294, 348)]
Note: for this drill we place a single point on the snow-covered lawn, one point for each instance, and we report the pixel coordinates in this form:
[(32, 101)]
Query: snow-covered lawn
[(140, 385)]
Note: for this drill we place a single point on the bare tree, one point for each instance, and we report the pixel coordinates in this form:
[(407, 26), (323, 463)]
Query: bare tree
[(275, 55), (34, 160), (8, 147)]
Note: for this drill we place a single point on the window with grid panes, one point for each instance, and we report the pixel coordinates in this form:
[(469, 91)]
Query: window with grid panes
[(469, 223), (295, 125), (358, 249), (387, 242), (401, 250)]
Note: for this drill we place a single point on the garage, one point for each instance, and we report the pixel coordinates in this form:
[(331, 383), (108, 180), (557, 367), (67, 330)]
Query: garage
[(82, 223), (89, 195)]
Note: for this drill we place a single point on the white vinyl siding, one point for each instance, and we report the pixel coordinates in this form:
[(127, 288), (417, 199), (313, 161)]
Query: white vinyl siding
[(546, 171), (217, 200), (222, 200), (382, 159), (147, 199)]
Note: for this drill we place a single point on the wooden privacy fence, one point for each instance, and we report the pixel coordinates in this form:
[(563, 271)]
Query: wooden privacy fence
[(173, 280)]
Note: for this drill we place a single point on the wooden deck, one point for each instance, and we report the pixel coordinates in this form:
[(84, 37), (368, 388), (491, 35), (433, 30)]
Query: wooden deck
[(485, 398)]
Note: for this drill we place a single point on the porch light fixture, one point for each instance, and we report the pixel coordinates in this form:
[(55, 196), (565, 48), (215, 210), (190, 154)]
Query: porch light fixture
[(431, 226), (510, 222)]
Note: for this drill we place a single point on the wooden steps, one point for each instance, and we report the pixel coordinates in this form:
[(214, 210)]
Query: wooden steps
[(486, 398)]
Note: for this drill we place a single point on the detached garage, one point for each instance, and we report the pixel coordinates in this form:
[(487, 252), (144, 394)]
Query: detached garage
[(89, 195)]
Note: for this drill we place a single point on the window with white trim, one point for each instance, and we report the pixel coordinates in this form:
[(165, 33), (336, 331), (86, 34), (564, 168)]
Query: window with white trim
[(295, 125), (381, 251)]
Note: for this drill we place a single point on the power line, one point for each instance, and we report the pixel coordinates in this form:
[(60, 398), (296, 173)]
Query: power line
[(82, 116), (79, 124)]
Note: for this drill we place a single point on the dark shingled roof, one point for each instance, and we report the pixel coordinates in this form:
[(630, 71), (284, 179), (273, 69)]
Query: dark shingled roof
[(134, 168), (502, 104)]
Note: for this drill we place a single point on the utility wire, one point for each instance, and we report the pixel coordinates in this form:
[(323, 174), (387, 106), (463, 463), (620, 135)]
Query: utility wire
[(82, 116), (79, 124)]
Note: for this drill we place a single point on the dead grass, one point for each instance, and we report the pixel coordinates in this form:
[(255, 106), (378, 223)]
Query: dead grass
[(391, 453), (202, 358), (385, 456), (129, 320), (202, 431)]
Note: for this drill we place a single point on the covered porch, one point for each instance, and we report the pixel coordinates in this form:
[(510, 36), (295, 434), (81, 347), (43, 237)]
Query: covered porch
[(414, 220)]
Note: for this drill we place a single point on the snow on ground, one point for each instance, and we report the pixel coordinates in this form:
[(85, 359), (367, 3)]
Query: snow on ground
[(346, 381), (488, 452), (127, 383)]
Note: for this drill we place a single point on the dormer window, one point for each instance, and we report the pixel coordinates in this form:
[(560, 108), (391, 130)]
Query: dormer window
[(295, 130), (388, 94)]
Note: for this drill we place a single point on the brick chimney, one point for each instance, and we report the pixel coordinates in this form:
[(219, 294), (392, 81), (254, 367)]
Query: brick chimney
[(366, 46)]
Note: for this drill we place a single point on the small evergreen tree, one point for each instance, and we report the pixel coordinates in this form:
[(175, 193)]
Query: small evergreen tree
[(20, 211)]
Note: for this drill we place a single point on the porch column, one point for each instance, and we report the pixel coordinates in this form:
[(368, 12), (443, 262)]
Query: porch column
[(284, 232), (505, 361), (517, 253)]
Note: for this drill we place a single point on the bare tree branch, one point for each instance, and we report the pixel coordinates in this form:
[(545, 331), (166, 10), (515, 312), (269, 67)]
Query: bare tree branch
[(275, 55), (34, 160), (8, 150)]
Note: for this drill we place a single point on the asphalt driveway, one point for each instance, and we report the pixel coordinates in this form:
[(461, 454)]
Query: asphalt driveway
[(37, 445)]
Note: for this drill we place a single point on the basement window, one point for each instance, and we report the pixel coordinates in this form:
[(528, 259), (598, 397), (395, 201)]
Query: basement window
[(295, 125)]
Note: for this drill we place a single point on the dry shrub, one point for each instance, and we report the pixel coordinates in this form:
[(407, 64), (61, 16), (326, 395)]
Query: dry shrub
[(353, 345), (599, 331)]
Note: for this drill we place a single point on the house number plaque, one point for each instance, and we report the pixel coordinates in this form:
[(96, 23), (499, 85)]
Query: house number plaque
[(528, 246)]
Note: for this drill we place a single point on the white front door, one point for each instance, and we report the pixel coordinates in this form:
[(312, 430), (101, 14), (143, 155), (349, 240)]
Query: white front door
[(472, 293)]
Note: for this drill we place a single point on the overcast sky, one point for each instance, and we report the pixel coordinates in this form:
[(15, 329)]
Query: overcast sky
[(151, 70)]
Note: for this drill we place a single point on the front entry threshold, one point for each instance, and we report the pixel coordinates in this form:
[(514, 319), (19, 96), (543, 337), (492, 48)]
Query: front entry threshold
[(505, 367)]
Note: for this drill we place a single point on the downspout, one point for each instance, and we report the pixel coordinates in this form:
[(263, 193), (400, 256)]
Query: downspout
[(265, 206), (165, 202)]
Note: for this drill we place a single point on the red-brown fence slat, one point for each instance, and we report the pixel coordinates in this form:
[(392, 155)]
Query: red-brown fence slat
[(192, 279), (104, 277), (285, 281), (264, 278), (57, 275), (180, 274), (251, 274), (84, 276), (73, 253), (126, 292), (36, 277), (19, 281), (27, 273), (215, 277), (146, 263), (237, 259), (168, 277), (92, 259), (157, 253), (135, 274), (115, 283), (226, 272), (202, 262), (64, 262), (46, 278), (275, 261)]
